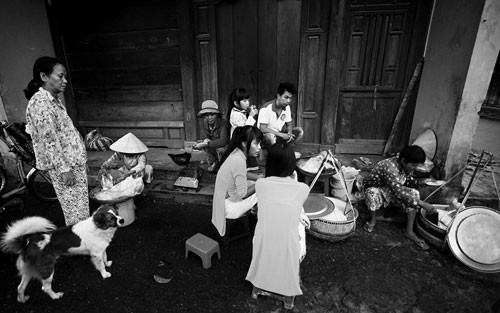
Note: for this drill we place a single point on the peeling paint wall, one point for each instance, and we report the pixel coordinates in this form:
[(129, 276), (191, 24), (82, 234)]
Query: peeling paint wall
[(450, 46), (24, 36)]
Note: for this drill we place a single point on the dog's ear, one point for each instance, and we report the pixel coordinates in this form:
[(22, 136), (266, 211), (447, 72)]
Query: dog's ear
[(100, 219)]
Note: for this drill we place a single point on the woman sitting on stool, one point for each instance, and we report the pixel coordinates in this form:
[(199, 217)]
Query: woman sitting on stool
[(233, 195), (279, 241)]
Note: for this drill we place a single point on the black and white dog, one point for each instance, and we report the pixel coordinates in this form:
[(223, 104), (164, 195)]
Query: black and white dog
[(39, 244)]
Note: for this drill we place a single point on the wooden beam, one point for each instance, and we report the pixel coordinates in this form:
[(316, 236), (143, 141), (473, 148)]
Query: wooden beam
[(142, 124)]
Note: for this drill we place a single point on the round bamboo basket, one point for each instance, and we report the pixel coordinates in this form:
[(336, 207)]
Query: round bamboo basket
[(334, 230)]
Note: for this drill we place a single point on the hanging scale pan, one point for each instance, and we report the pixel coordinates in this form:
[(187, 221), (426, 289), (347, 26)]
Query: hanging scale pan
[(474, 238)]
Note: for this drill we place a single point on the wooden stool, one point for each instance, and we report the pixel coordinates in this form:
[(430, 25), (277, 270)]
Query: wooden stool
[(287, 300), (204, 247)]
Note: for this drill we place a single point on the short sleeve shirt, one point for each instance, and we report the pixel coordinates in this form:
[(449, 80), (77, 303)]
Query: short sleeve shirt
[(269, 117)]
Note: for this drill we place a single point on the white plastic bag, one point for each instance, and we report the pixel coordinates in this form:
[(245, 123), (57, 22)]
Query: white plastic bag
[(127, 188)]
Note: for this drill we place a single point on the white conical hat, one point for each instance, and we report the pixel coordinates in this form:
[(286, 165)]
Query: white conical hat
[(129, 143)]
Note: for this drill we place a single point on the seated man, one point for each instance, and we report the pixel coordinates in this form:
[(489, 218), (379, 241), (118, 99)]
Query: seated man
[(390, 181), (216, 134), (129, 157), (275, 117)]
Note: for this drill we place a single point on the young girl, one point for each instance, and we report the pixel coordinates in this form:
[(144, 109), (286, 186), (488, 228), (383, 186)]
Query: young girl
[(279, 240), (242, 113), (233, 195)]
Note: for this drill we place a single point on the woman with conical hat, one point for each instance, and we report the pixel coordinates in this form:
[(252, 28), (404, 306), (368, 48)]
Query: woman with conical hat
[(129, 156)]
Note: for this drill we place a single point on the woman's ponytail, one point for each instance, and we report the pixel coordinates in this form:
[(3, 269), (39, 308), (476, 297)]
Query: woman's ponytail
[(32, 88)]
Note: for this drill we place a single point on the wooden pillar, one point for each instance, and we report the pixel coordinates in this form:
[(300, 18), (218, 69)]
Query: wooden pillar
[(187, 57)]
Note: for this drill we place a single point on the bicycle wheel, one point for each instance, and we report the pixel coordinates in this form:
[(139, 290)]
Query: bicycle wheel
[(3, 180), (40, 186)]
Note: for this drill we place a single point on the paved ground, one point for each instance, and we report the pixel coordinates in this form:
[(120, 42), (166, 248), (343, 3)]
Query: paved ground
[(378, 272)]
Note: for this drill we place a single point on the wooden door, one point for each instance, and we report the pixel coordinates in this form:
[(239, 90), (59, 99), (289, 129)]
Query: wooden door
[(313, 49), (379, 52), (252, 44), (127, 67)]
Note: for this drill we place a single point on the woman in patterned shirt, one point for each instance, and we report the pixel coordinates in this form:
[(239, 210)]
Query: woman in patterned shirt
[(59, 148), (390, 181)]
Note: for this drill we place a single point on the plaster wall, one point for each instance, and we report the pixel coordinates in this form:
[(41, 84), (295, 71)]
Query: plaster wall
[(449, 49), (482, 64), (24, 36)]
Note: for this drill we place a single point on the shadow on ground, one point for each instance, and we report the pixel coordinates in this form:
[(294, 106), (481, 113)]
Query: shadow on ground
[(378, 272)]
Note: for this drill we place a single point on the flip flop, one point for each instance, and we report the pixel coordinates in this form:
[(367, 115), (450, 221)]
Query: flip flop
[(421, 243), (368, 227)]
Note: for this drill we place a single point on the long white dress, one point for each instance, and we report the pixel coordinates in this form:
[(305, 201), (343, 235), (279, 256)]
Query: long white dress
[(276, 249)]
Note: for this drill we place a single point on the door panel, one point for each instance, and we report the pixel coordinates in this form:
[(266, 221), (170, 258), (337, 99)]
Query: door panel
[(315, 21), (376, 54), (257, 47)]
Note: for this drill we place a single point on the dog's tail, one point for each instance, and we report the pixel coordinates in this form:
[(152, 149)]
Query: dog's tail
[(14, 240)]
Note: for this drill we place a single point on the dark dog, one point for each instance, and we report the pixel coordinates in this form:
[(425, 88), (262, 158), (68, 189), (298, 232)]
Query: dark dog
[(39, 244)]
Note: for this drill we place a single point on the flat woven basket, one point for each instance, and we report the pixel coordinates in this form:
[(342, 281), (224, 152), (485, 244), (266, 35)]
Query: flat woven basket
[(334, 230)]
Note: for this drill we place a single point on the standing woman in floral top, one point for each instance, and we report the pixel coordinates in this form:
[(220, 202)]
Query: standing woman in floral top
[(59, 148)]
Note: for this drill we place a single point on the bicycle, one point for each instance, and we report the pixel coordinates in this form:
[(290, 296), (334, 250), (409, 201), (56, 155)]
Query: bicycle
[(37, 182)]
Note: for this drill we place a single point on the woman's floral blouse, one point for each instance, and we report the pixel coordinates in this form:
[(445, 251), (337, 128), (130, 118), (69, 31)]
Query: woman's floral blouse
[(390, 173), (57, 143)]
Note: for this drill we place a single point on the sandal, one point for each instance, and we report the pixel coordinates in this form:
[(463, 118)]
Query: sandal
[(368, 227), (421, 243)]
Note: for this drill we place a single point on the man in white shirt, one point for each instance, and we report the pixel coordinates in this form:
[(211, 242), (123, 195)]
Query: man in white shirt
[(275, 117)]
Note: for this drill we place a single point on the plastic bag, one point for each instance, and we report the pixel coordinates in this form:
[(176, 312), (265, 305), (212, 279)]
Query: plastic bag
[(127, 188)]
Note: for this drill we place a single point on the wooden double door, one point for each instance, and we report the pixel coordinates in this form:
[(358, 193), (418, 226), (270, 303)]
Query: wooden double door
[(351, 61)]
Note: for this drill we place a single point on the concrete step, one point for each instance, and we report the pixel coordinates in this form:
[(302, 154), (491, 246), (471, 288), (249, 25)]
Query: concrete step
[(163, 187)]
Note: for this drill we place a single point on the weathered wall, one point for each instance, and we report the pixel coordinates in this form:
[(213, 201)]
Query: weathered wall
[(24, 36), (482, 63), (450, 45)]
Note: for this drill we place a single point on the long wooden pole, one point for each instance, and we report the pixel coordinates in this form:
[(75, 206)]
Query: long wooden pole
[(402, 107)]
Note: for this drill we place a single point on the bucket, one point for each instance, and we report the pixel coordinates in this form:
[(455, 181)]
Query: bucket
[(126, 209), (338, 190)]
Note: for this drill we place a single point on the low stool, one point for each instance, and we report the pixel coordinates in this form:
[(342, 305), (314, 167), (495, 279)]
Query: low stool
[(287, 300), (204, 247), (231, 225)]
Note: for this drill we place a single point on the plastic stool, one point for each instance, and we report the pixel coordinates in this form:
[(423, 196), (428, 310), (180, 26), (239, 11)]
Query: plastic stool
[(204, 247)]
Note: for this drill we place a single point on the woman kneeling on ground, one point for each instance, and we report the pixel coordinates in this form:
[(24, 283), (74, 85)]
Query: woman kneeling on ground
[(234, 195), (391, 181)]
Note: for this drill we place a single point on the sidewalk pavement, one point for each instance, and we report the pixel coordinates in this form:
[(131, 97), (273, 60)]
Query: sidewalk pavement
[(166, 172)]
